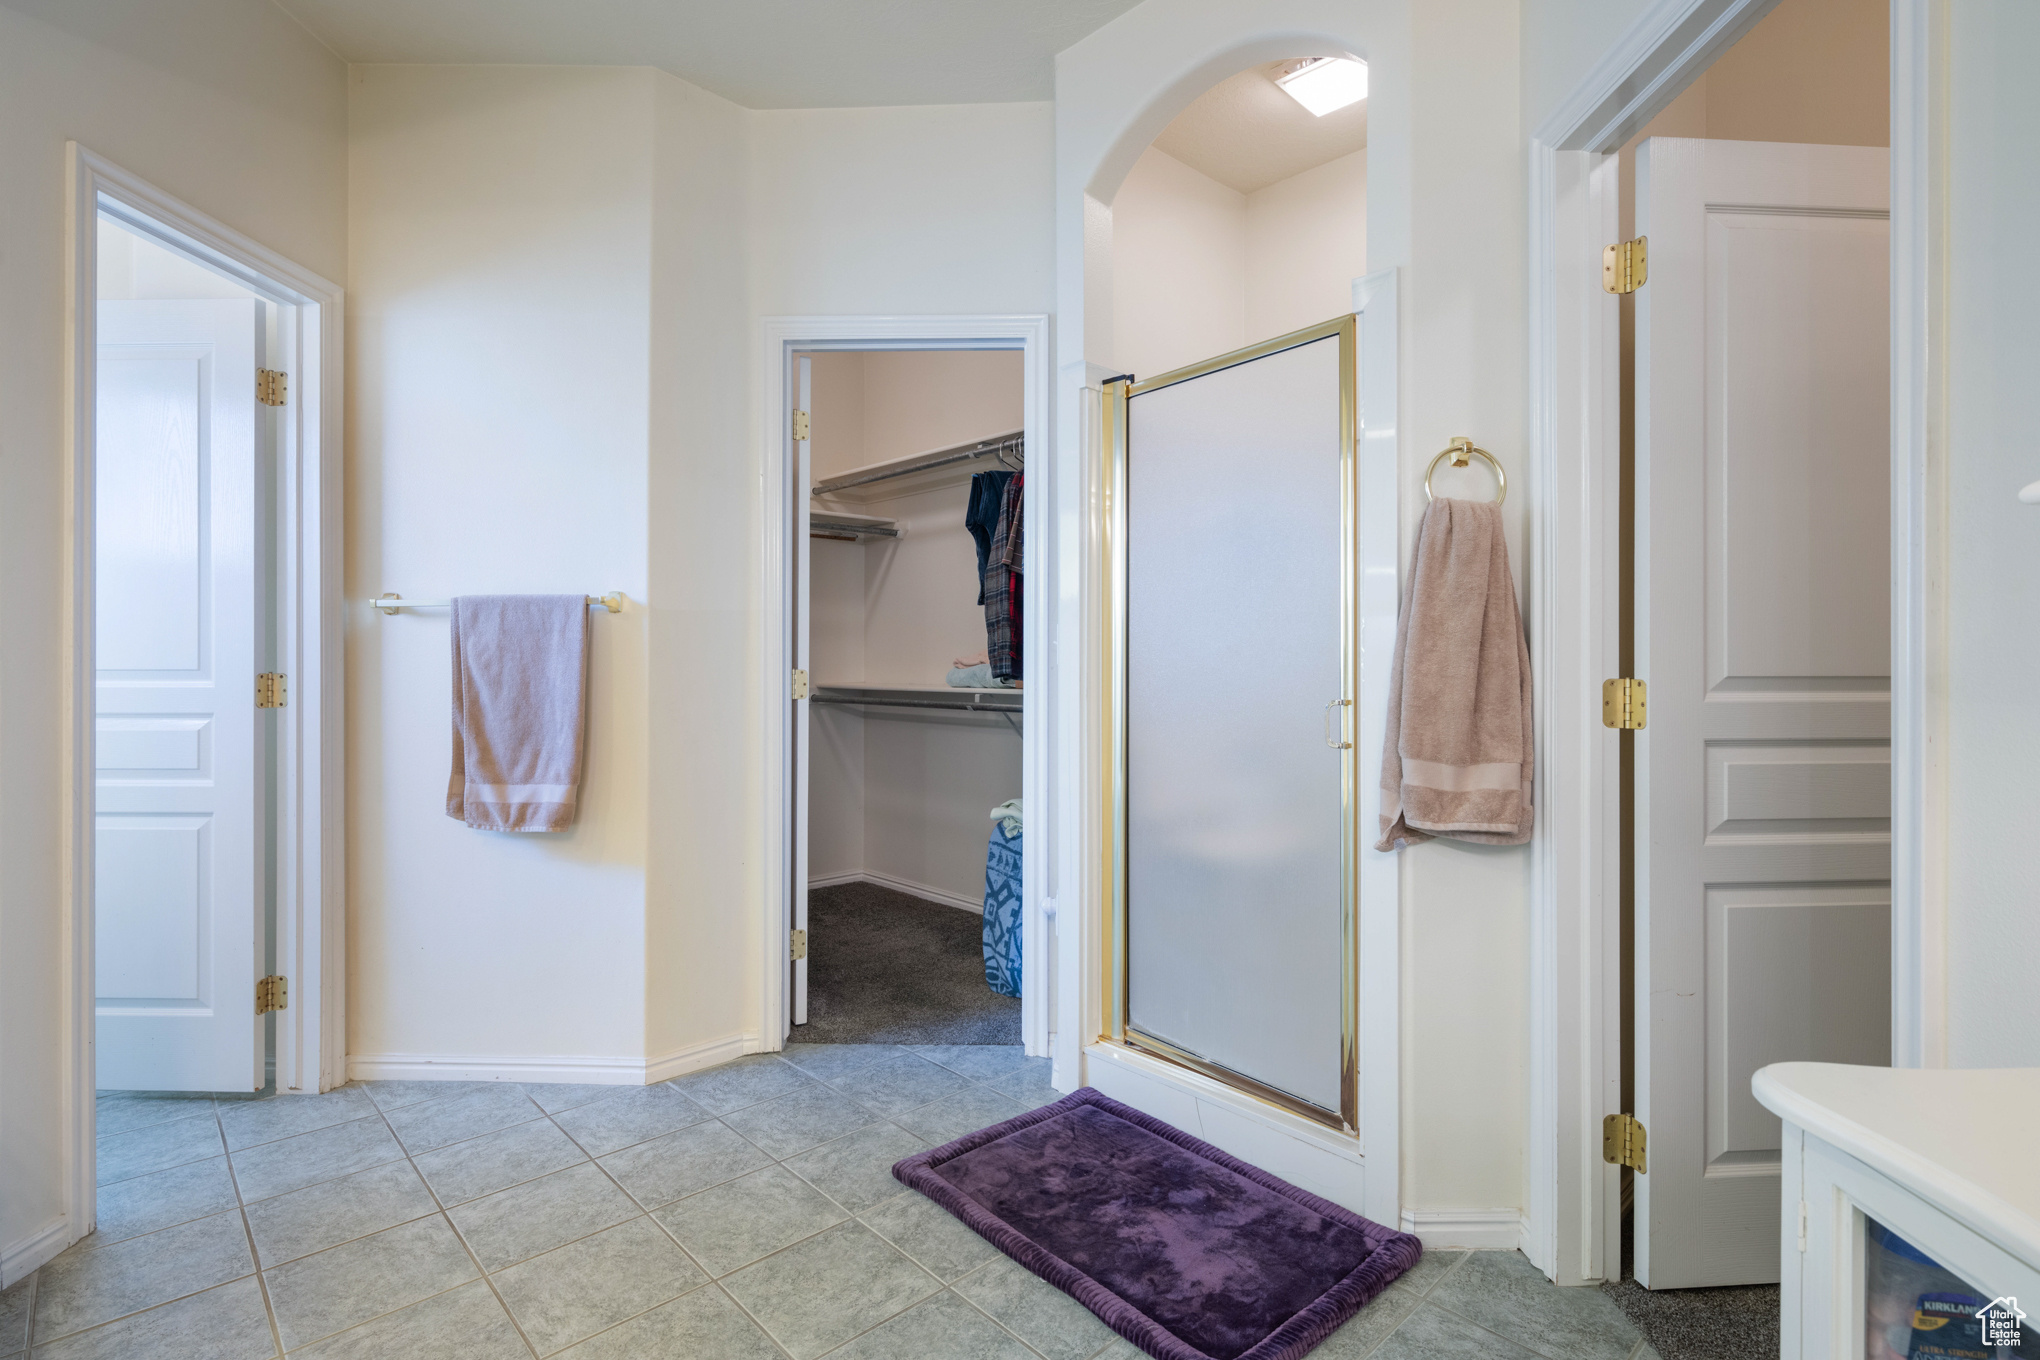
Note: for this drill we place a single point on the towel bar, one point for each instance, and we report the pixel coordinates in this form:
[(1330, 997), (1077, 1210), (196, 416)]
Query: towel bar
[(392, 602)]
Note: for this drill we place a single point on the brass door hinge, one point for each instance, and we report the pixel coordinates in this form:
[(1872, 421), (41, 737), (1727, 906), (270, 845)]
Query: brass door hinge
[(800, 944), (269, 690), (800, 425), (271, 387), (1622, 703), (1622, 1142), (271, 994), (1625, 266), (800, 684)]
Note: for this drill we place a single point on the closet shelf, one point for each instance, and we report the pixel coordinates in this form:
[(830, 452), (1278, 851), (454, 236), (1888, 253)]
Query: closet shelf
[(954, 464), (919, 696), (844, 525)]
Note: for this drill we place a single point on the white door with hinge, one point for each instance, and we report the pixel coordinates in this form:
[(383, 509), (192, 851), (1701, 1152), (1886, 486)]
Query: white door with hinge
[(802, 388), (1763, 601), (178, 872)]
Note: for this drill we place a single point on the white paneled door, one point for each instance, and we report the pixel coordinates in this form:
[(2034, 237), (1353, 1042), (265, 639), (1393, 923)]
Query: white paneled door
[(1763, 600), (178, 881)]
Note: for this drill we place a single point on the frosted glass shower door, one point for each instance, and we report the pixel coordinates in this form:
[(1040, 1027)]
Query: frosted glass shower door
[(1236, 720)]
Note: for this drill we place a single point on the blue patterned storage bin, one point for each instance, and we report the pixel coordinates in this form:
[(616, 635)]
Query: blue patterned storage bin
[(1002, 912)]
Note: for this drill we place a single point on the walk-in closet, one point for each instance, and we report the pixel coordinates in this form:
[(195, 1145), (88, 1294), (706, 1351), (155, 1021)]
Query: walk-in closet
[(912, 805)]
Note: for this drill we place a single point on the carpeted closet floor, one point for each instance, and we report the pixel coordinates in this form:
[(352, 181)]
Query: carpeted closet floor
[(1737, 1322), (888, 968)]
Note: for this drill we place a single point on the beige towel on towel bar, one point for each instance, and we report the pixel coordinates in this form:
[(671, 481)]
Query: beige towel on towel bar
[(1457, 759), (520, 700)]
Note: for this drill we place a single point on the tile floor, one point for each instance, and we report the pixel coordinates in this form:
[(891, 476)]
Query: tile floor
[(747, 1212)]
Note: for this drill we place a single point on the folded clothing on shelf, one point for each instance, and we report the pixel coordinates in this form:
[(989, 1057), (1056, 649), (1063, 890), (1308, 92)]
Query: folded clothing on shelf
[(978, 677)]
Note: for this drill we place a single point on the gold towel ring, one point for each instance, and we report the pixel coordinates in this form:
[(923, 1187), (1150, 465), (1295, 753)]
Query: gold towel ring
[(1459, 451)]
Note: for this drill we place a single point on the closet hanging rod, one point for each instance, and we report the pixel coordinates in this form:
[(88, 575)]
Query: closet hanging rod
[(1013, 444), (392, 602), (965, 705)]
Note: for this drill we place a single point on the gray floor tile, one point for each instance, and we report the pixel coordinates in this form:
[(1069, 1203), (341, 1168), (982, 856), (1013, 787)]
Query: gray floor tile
[(332, 1212), (265, 1121), (1122, 1349), (498, 1161), (226, 1323), (819, 1293), (1029, 1085), (87, 1285), (554, 1096), (825, 1062), (898, 1082), (1430, 1268), (695, 1158), (1365, 1330), (433, 1124), (394, 1095), (157, 1147), (747, 1081), (570, 1294), (463, 1324), (979, 1062), (278, 1168), (929, 1233), (1036, 1311), (695, 1326), (163, 1199), (796, 1122), (735, 1224), (516, 1224), (856, 1171), (14, 1315), (942, 1328), (953, 1116), (1431, 1333), (317, 1296), (637, 1115), (121, 1111), (1504, 1293)]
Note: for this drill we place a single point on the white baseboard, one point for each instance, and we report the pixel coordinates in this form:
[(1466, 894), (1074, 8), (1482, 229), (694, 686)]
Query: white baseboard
[(1478, 1229), (18, 1258), (589, 1070), (975, 906)]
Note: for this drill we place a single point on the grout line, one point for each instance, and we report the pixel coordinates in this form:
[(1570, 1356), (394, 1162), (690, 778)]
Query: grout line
[(461, 1238), (34, 1289), (254, 1254)]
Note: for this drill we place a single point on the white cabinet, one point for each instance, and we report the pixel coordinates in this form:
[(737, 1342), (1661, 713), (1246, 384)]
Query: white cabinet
[(1912, 1203)]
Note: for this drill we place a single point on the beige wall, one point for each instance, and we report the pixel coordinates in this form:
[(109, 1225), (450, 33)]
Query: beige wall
[(233, 108)]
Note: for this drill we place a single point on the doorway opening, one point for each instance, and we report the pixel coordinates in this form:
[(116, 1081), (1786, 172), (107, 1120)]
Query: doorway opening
[(200, 781), (910, 788), (1754, 511)]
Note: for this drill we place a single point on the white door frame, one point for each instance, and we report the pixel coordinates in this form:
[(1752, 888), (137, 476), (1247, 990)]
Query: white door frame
[(310, 1034), (783, 336), (1572, 1218)]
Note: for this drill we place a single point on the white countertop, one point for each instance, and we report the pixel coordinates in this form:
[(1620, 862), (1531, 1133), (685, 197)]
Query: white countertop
[(1967, 1141)]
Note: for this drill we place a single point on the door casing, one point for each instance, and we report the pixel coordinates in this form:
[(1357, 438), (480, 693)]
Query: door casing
[(311, 1033)]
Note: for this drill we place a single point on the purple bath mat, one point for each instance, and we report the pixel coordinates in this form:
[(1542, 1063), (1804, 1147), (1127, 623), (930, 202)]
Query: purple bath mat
[(1184, 1250)]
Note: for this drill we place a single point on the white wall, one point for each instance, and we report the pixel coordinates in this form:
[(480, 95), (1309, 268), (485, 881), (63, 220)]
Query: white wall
[(1993, 580), (1179, 267), (232, 107), (500, 240), (1199, 268), (1306, 243)]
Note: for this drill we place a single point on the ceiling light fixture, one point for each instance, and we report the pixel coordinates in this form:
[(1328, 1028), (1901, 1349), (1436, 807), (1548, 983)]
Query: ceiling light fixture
[(1324, 84)]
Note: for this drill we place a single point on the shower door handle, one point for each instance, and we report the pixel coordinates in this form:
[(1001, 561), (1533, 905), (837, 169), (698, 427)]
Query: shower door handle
[(1329, 705)]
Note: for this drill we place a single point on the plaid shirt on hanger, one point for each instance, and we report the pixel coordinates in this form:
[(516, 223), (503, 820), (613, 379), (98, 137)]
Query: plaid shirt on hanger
[(1002, 586)]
